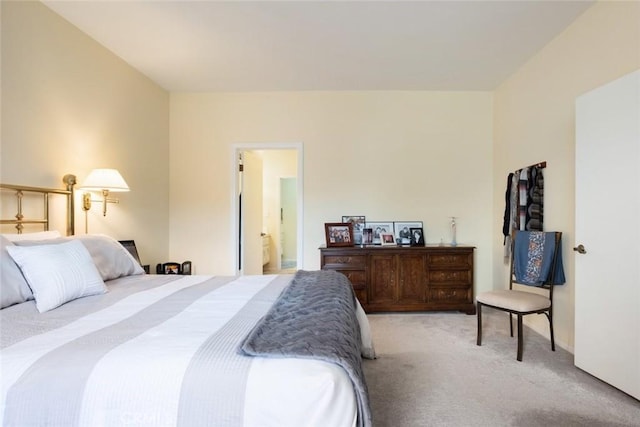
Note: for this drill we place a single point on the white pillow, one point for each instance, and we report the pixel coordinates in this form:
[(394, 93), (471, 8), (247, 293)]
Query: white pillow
[(58, 273), (13, 287), (109, 256), (41, 235)]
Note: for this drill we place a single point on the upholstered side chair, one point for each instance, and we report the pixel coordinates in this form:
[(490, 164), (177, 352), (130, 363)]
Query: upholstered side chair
[(521, 302)]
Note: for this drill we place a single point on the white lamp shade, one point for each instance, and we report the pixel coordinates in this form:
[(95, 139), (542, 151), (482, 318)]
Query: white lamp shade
[(105, 179)]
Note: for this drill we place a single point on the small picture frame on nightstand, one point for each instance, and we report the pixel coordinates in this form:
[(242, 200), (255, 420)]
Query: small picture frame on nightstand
[(186, 268), (171, 268)]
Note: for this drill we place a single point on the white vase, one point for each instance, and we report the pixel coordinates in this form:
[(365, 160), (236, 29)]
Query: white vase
[(454, 242)]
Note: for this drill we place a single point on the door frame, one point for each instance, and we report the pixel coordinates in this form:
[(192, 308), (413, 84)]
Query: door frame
[(237, 148)]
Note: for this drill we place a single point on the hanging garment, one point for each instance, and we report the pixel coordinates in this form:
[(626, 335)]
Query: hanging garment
[(513, 213), (534, 259), (514, 201), (535, 199), (523, 184), (506, 224), (524, 203)]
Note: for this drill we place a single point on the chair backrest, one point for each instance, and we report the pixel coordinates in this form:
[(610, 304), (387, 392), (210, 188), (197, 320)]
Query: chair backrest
[(549, 281)]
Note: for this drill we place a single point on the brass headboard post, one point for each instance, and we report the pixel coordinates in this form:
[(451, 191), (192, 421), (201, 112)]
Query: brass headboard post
[(19, 220), (70, 180)]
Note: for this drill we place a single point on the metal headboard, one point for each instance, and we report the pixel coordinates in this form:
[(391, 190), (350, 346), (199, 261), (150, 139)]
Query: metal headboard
[(19, 221)]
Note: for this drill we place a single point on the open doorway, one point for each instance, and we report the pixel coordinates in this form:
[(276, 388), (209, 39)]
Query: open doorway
[(288, 222), (268, 234)]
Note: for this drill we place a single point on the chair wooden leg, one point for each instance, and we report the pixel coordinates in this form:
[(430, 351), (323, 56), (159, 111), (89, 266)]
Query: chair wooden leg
[(479, 310), (519, 338)]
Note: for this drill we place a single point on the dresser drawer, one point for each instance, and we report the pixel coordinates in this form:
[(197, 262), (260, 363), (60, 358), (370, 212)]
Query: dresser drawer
[(449, 276), (358, 278), (361, 294), (450, 294), (345, 260), (450, 260)]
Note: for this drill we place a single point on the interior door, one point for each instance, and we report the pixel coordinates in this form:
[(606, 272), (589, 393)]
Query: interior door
[(251, 214), (607, 275)]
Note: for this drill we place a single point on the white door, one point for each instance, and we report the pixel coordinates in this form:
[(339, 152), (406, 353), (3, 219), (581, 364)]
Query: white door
[(251, 214), (607, 276)]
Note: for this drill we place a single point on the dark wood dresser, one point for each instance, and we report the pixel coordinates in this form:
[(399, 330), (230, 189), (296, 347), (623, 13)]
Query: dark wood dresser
[(394, 278)]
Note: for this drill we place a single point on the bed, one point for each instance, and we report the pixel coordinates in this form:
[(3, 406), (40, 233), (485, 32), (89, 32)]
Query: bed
[(88, 339)]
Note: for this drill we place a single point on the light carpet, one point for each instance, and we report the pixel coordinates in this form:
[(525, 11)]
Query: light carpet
[(430, 372)]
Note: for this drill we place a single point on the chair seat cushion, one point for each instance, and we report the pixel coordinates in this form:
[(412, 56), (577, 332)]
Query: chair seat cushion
[(514, 300)]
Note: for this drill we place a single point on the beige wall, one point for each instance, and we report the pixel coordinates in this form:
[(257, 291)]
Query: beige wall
[(534, 121), (68, 106), (386, 155)]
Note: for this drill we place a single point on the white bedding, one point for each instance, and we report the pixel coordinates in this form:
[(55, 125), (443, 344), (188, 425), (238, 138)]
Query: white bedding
[(148, 377)]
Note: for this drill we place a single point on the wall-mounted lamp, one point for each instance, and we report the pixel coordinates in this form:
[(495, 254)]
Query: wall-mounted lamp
[(103, 180)]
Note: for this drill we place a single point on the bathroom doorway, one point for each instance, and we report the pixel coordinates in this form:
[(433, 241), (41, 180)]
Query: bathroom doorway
[(288, 222), (272, 234)]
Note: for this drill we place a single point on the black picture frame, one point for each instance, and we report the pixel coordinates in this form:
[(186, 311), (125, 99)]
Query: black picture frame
[(185, 268), (417, 236), (130, 245), (171, 268)]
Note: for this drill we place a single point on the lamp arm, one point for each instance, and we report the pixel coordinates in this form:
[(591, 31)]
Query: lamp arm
[(86, 201)]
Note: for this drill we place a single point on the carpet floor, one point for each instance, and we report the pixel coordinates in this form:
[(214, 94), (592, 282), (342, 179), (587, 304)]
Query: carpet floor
[(430, 372)]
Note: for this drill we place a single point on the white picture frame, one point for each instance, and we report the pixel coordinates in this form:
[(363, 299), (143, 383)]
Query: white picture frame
[(387, 239), (358, 222), (379, 227)]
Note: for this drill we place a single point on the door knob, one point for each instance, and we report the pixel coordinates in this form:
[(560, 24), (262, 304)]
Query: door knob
[(580, 249)]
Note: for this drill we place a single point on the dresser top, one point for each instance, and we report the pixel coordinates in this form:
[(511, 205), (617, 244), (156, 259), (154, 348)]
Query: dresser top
[(403, 247)]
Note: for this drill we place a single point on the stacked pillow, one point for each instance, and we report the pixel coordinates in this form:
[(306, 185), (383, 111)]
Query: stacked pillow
[(13, 286), (60, 269), (41, 235)]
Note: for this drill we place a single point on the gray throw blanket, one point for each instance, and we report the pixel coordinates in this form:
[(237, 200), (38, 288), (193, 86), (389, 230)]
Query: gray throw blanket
[(315, 318)]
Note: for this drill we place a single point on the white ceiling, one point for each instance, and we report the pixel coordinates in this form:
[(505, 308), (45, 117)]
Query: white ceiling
[(323, 45)]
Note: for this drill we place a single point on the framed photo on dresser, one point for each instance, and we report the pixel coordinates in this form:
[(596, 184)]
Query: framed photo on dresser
[(387, 239), (338, 234), (358, 222), (417, 236), (379, 227), (367, 236), (402, 231)]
